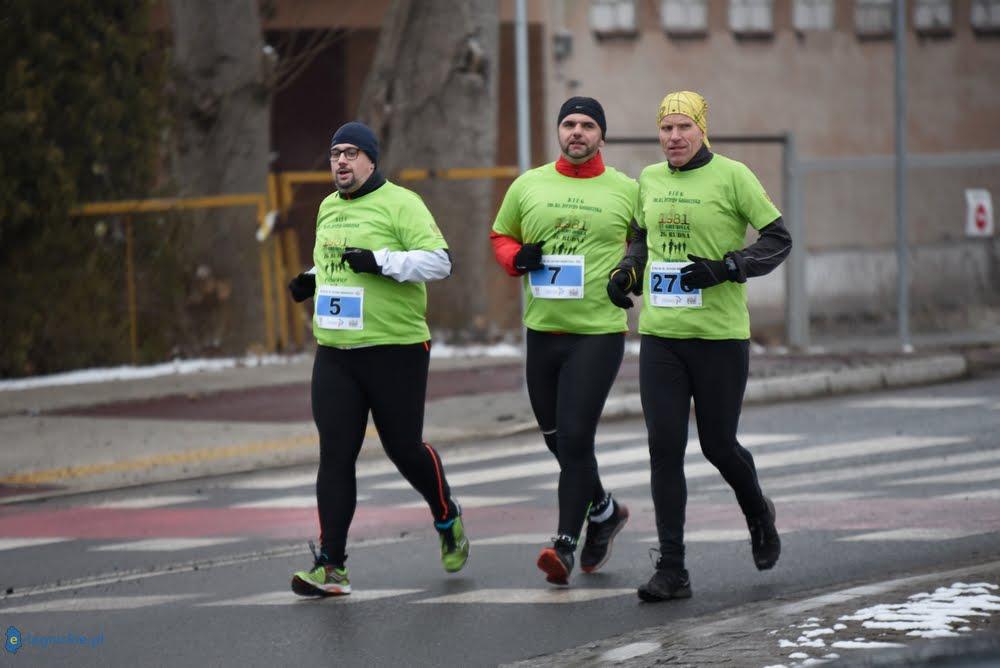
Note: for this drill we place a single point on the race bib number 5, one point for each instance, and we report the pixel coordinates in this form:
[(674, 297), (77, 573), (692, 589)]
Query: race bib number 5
[(560, 278), (339, 307), (665, 286)]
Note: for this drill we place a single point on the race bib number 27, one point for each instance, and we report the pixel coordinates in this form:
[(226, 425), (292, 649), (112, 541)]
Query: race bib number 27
[(340, 307), (665, 286)]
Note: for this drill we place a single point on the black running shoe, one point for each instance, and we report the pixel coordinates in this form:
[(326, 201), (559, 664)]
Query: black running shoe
[(600, 535), (557, 561), (764, 538), (666, 584)]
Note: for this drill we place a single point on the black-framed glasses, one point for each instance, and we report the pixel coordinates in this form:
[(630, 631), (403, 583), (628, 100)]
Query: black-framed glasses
[(351, 153)]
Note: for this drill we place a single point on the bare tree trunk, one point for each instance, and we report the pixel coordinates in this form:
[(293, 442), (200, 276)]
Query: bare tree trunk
[(431, 98), (221, 144)]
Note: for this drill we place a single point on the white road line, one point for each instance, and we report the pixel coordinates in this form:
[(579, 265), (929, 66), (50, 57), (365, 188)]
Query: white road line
[(548, 466), (530, 596), (164, 544), (288, 598), (714, 536), (919, 403), (469, 501), (145, 502), (973, 494), (15, 543), (539, 539), (296, 501), (275, 481), (974, 475), (826, 497), (854, 472), (807, 455), (99, 603), (914, 534)]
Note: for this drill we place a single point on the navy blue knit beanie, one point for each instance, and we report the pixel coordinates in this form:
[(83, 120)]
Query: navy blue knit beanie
[(360, 135)]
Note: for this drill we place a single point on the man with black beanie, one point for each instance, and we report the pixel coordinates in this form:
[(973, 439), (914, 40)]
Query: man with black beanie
[(376, 246), (562, 228)]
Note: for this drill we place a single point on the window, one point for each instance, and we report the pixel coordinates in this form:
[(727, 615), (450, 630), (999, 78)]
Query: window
[(613, 18), (986, 15), (932, 16), (684, 17), (751, 17), (873, 18), (812, 15)]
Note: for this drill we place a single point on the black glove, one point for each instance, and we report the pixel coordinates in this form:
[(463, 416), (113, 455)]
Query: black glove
[(529, 258), (703, 273), (302, 286), (619, 283), (361, 260)]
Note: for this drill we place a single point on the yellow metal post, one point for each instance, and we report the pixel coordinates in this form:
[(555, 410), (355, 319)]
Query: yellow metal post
[(265, 279), (279, 287), (133, 325), (291, 244)]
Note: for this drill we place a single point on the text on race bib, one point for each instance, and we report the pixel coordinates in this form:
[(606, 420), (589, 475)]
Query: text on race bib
[(340, 307), (665, 286), (560, 278)]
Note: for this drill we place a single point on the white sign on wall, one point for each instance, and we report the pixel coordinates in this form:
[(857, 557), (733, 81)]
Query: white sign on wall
[(978, 213)]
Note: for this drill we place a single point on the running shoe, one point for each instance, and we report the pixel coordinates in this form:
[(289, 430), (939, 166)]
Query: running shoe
[(324, 579), (600, 535), (557, 561), (454, 545), (666, 584), (764, 540)]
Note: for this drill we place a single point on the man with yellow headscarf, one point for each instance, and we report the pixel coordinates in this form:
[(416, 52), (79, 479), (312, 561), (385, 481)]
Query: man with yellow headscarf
[(694, 209)]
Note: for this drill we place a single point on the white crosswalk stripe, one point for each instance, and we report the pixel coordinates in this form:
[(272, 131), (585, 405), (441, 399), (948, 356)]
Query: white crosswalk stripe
[(99, 603), (164, 544), (294, 501), (286, 597), (913, 534), (806, 455), (974, 475), (530, 596), (15, 543), (469, 501), (919, 403), (849, 472), (146, 502)]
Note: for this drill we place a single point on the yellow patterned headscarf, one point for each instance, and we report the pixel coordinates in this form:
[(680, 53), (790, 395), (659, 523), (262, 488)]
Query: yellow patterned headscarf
[(690, 104)]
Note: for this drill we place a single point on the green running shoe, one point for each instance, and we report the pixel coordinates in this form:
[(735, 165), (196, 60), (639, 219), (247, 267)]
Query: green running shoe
[(322, 580), (454, 545)]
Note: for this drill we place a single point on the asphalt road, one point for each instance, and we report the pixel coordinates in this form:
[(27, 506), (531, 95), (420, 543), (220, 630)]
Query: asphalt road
[(867, 488)]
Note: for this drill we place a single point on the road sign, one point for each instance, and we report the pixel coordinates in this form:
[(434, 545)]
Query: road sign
[(978, 213)]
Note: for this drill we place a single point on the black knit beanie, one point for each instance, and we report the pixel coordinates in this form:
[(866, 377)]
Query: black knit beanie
[(584, 105)]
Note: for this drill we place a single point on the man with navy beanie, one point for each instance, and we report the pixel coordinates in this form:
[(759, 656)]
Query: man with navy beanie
[(376, 246), (587, 106)]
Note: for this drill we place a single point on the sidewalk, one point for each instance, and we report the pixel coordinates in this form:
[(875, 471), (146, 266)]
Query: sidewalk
[(71, 438)]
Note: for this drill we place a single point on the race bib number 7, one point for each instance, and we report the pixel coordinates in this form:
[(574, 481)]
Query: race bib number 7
[(665, 286), (560, 278), (340, 307)]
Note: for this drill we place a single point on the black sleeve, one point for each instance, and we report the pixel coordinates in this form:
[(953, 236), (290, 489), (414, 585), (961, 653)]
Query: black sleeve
[(763, 255), (635, 256)]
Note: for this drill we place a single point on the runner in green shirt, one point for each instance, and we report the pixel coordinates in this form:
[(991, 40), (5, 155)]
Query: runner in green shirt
[(694, 209), (562, 228), (376, 245)]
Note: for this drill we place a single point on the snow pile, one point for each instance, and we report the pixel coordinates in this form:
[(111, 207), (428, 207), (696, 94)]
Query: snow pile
[(944, 613), (933, 615)]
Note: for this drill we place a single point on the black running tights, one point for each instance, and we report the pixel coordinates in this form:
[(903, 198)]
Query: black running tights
[(391, 382), (569, 377), (714, 373)]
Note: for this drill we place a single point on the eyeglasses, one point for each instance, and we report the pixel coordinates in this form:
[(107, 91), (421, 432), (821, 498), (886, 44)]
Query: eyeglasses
[(349, 153)]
